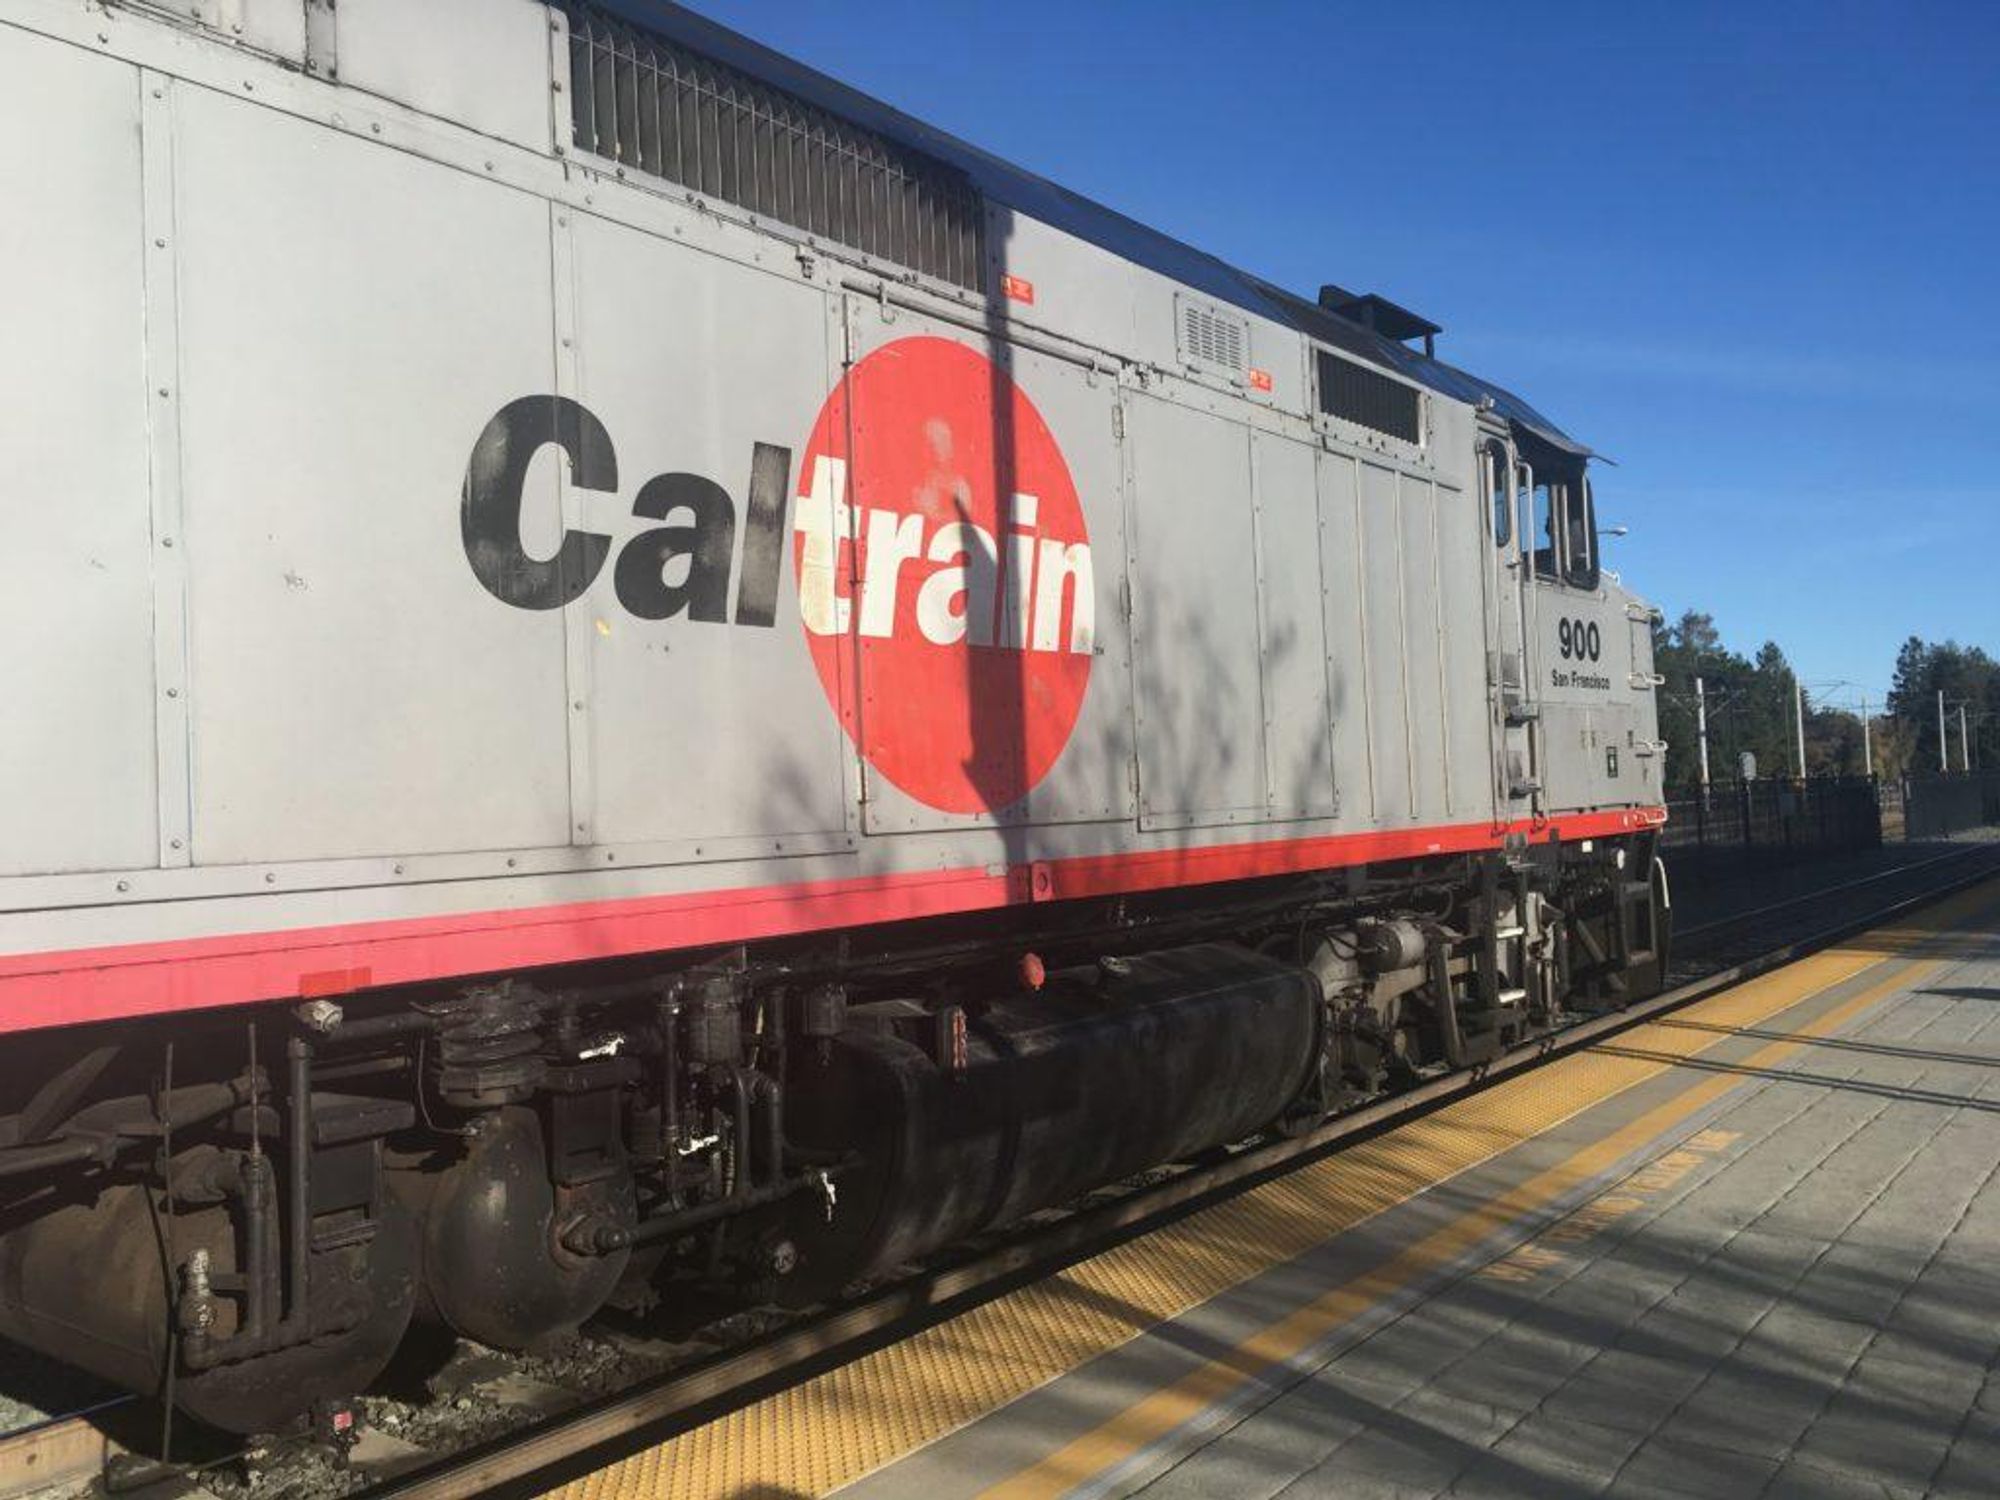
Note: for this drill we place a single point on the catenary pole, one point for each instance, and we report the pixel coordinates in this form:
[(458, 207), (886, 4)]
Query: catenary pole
[(1799, 720), (1701, 733)]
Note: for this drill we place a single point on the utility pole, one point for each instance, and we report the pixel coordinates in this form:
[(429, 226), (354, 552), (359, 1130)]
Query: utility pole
[(1799, 720), (1964, 745), (1701, 731), (1867, 745), (1944, 759)]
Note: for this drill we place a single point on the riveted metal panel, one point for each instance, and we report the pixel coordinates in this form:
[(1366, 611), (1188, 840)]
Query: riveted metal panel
[(276, 27), (1463, 544), (1344, 578), (1392, 738), (1423, 648), (984, 715), (701, 726), (1298, 742), (351, 319), (483, 65), (165, 399), (76, 628), (1590, 702), (1198, 678)]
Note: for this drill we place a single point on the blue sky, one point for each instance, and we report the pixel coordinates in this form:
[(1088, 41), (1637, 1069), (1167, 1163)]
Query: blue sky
[(1750, 252)]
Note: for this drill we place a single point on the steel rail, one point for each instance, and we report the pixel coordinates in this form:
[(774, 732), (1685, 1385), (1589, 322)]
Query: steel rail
[(603, 1431), (57, 1450)]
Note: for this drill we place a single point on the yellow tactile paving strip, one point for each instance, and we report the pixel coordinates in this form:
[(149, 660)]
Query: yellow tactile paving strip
[(831, 1430)]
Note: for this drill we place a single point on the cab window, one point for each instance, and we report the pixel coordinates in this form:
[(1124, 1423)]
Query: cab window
[(1580, 550), (1545, 529), (1501, 495)]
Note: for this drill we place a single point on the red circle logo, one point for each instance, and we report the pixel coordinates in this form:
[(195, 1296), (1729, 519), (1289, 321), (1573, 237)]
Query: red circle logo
[(944, 575)]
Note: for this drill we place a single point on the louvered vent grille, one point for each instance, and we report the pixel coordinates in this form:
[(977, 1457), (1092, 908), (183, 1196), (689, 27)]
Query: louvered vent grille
[(1356, 393), (1210, 337), (657, 108)]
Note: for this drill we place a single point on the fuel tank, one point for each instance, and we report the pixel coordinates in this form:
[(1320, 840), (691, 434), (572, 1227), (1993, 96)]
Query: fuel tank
[(88, 1284), (1043, 1096)]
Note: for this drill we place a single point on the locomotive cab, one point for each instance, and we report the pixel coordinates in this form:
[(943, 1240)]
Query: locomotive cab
[(1576, 727)]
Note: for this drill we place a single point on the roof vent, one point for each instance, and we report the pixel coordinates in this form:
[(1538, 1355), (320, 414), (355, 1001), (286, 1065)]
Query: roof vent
[(1379, 315), (655, 107), (1355, 393), (1210, 337)]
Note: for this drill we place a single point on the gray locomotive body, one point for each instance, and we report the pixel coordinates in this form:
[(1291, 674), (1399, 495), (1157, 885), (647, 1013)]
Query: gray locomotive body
[(596, 612)]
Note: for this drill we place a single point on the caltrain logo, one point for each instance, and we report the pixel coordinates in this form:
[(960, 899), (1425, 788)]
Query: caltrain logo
[(943, 565), (942, 560)]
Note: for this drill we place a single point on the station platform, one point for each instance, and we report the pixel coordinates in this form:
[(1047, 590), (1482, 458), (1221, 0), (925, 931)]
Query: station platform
[(1750, 1248)]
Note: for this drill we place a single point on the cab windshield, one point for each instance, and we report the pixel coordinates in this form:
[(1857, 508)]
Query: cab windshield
[(1562, 530)]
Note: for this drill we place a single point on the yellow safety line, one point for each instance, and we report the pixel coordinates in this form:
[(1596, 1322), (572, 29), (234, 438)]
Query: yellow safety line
[(1166, 1409), (831, 1430)]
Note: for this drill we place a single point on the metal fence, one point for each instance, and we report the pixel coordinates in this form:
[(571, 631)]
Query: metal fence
[(1750, 824), (1936, 807)]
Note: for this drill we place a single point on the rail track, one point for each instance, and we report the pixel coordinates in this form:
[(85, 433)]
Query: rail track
[(73, 1449)]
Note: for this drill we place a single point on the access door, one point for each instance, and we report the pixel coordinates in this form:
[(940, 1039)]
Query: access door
[(963, 496), (1509, 671)]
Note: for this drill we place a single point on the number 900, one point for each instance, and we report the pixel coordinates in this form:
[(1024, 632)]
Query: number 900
[(1578, 640)]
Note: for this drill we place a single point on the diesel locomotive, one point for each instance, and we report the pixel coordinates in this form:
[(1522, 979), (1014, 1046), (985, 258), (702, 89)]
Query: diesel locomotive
[(628, 672)]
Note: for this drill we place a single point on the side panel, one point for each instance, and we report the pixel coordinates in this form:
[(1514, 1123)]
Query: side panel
[(1423, 649), (982, 572), (1298, 716), (351, 318), (470, 61), (699, 728), (1194, 630), (1511, 686), (1344, 579), (1392, 747), (274, 26), (1645, 727), (77, 752), (1589, 704), (1464, 543)]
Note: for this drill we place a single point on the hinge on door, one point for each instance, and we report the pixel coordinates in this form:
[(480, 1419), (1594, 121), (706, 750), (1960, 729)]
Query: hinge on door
[(322, 40), (1132, 774), (1117, 420)]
